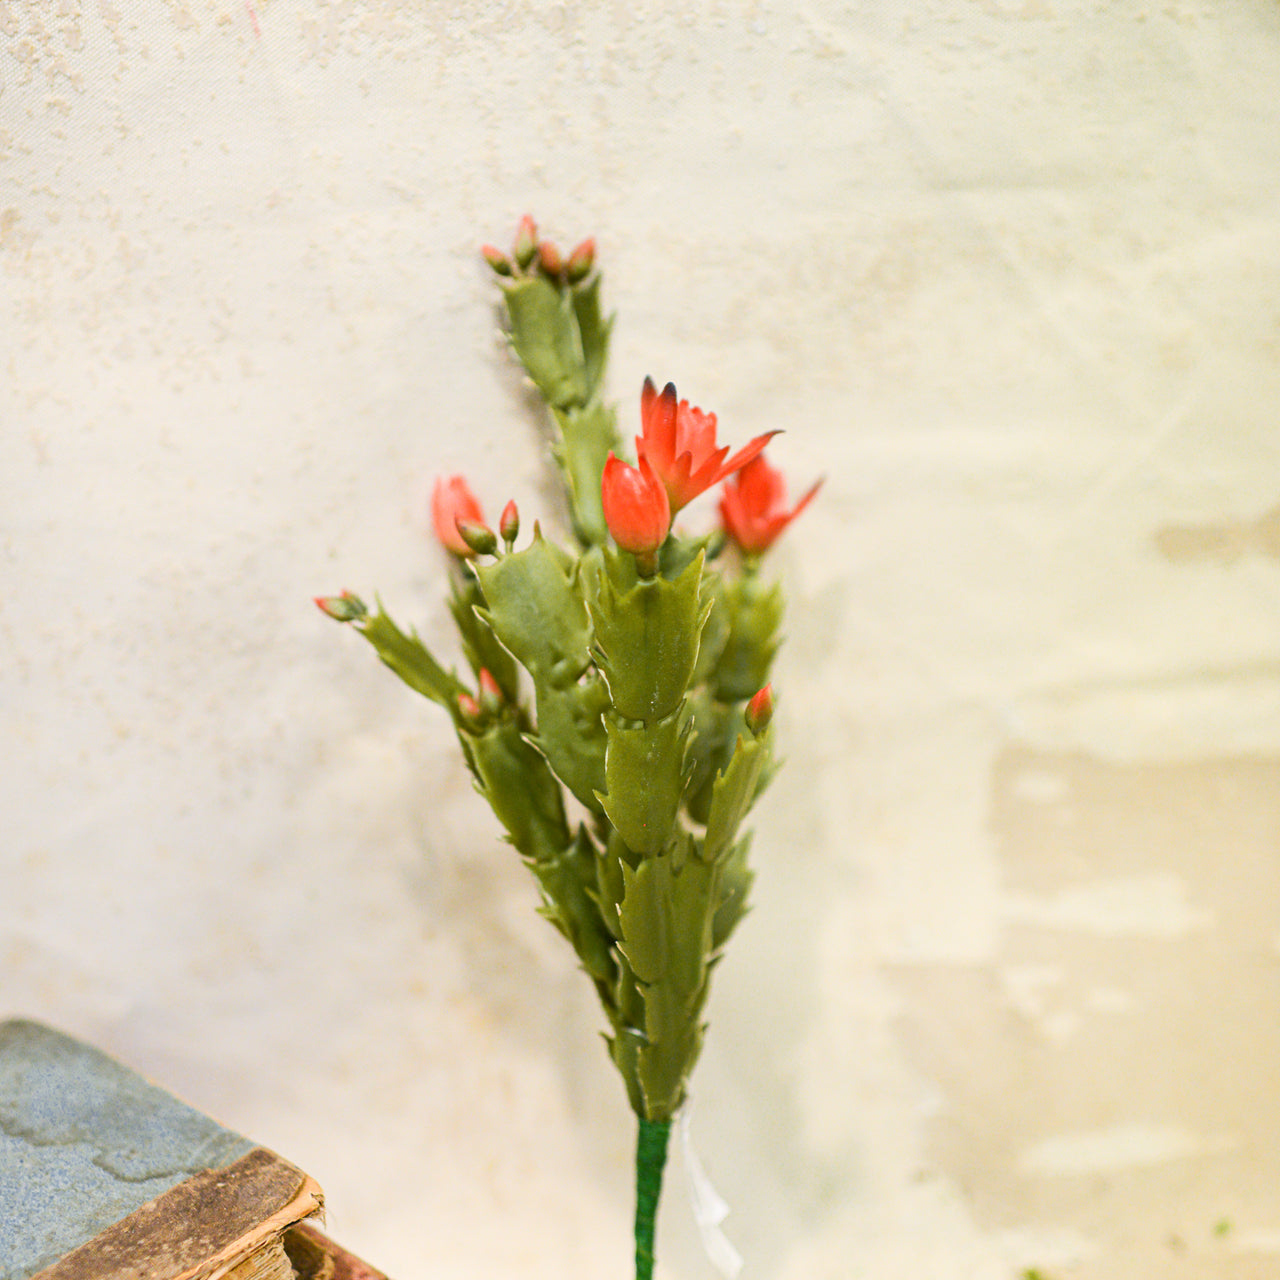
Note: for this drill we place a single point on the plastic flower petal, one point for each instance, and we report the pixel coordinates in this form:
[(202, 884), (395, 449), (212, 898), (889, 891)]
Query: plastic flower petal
[(635, 506), (754, 506), (679, 442), (451, 502)]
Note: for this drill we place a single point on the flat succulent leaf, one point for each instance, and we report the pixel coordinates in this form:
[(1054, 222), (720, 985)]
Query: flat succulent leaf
[(482, 648), (666, 919), (754, 615), (587, 435), (571, 734), (716, 726), (534, 604), (664, 1066), (646, 918), (647, 638), (410, 659), (610, 883), (644, 774), (715, 632), (520, 788), (567, 882), (732, 794), (736, 878), (593, 331), (544, 333)]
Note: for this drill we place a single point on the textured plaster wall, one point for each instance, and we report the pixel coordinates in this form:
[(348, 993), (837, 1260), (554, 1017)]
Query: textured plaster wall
[(1008, 273)]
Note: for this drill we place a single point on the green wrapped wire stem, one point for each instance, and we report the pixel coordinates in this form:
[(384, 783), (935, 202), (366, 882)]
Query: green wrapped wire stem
[(651, 1159)]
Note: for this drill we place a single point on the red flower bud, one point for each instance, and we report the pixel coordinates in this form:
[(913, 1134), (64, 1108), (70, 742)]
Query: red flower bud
[(509, 523), (470, 710), (580, 261), (452, 501), (635, 508), (491, 698), (496, 259), (478, 537), (754, 506), (549, 258), (343, 608), (759, 711), (526, 244)]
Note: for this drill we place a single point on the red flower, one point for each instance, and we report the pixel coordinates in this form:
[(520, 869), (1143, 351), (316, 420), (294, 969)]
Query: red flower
[(635, 507), (451, 502), (680, 443), (754, 506)]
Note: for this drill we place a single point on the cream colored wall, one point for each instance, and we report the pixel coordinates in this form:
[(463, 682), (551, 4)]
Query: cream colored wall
[(1007, 274)]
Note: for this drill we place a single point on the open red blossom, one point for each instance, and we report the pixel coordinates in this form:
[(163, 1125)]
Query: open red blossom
[(452, 502), (635, 506), (754, 506), (679, 442)]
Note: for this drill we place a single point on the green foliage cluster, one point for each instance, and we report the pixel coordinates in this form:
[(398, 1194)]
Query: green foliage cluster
[(609, 734)]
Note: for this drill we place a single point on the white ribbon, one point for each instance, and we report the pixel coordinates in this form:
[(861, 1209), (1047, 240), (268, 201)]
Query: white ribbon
[(709, 1208)]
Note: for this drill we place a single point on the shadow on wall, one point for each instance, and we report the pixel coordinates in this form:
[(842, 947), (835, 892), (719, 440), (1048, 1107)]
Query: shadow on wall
[(1225, 542), (1111, 1074)]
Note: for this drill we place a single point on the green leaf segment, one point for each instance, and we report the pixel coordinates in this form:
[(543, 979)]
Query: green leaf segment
[(636, 712)]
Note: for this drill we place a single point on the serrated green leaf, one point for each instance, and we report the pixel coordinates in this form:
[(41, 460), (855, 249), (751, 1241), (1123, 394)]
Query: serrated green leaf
[(567, 882), (647, 639), (666, 939), (644, 772), (593, 332), (571, 734), (716, 726), (735, 886), (482, 648), (410, 659), (544, 334), (646, 918), (587, 435), (754, 614), (520, 788), (535, 607), (732, 794), (611, 885)]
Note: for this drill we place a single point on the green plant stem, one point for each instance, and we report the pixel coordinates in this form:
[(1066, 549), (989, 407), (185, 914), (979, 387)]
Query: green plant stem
[(651, 1157)]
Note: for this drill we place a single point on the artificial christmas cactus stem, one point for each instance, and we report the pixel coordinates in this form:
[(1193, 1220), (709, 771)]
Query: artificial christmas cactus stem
[(649, 667)]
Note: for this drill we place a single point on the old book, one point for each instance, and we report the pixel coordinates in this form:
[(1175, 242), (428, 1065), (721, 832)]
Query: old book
[(104, 1176)]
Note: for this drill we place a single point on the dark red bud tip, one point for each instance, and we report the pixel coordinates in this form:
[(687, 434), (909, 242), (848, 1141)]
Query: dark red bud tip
[(580, 261), (549, 258), (509, 523), (759, 711), (343, 608), (496, 259), (479, 537)]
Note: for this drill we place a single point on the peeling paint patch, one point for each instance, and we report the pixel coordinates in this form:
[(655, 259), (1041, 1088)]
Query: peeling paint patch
[(1141, 906), (1128, 1146)]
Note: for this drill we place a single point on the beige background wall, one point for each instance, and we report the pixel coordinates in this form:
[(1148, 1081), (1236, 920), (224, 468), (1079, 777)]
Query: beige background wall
[(1006, 271)]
